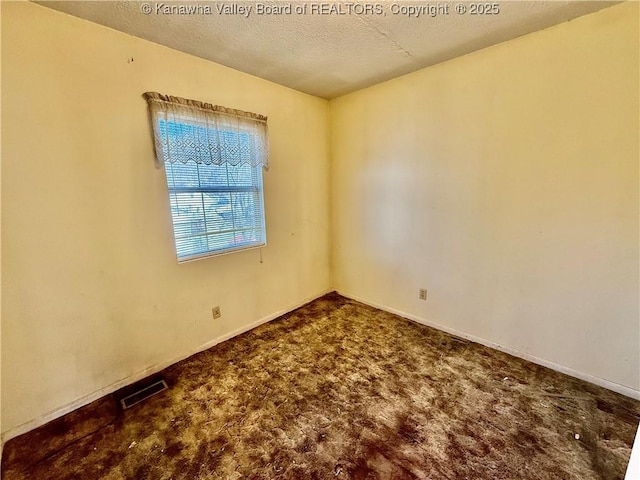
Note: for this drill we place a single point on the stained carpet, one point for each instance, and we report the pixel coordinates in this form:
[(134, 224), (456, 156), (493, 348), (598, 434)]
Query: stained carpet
[(339, 390)]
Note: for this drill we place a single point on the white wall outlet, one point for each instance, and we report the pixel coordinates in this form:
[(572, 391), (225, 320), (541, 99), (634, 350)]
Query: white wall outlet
[(216, 312), (423, 294)]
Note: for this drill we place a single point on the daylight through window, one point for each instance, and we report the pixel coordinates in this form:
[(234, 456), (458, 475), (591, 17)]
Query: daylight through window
[(213, 161)]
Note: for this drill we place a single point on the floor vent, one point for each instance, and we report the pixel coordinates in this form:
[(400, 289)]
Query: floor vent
[(142, 394)]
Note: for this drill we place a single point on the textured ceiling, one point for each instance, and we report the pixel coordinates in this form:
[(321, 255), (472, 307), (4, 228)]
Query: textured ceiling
[(327, 52)]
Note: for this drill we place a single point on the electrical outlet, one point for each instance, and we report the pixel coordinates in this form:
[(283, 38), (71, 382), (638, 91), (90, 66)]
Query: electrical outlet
[(423, 294), (216, 312)]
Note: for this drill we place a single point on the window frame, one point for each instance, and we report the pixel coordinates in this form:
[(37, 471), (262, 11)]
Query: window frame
[(257, 188), (225, 208)]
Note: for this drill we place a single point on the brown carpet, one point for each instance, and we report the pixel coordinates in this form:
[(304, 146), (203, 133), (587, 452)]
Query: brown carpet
[(339, 390)]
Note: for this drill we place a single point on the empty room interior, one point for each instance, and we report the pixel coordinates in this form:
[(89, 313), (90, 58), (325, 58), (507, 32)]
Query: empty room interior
[(307, 240)]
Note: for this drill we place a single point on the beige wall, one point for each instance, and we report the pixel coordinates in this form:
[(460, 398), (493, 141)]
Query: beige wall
[(505, 182), (92, 293), (1, 441)]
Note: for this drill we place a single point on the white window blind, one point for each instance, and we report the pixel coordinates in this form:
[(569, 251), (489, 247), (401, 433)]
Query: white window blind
[(213, 158)]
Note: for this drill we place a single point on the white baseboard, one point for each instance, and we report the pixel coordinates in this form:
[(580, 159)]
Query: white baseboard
[(59, 412), (601, 382), (70, 407)]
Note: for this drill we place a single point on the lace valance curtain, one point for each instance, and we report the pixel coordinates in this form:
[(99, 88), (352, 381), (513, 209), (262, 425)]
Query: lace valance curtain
[(188, 130)]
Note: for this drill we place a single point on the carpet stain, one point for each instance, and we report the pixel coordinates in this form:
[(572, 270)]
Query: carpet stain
[(340, 390)]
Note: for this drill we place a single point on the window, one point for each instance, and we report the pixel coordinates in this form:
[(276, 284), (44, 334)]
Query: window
[(213, 159), (215, 208)]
